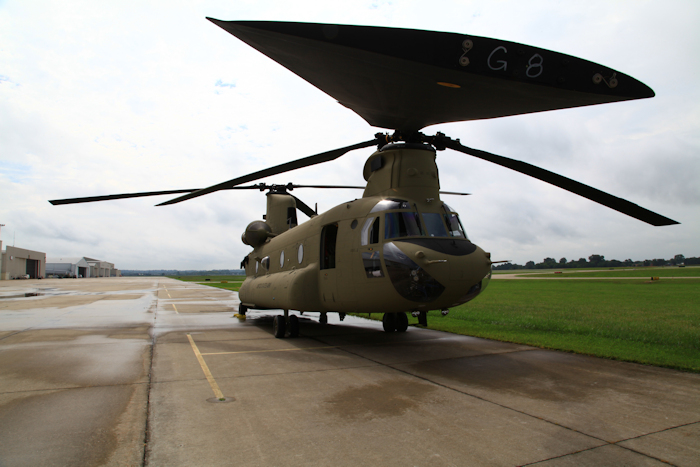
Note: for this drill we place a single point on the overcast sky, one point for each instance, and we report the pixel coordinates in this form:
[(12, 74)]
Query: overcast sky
[(112, 97)]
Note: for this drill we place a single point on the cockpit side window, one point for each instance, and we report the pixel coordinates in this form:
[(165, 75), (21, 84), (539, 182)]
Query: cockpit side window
[(402, 224), (453, 223), (370, 231)]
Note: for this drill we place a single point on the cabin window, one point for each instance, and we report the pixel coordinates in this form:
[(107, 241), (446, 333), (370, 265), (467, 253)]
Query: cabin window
[(402, 224), (434, 224), (265, 263), (370, 231), (373, 267), (390, 204), (256, 267), (282, 259), (300, 253)]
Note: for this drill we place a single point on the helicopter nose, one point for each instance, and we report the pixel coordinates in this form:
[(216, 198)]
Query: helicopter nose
[(427, 270)]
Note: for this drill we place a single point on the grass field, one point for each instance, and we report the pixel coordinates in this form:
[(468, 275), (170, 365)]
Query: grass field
[(645, 272), (655, 323)]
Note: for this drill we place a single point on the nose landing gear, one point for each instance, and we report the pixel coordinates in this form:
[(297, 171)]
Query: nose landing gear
[(395, 322)]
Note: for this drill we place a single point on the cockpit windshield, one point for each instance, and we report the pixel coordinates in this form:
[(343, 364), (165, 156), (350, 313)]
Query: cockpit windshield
[(402, 224), (410, 223)]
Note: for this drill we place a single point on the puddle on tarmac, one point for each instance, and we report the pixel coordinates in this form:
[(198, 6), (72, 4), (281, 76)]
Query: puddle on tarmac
[(30, 294)]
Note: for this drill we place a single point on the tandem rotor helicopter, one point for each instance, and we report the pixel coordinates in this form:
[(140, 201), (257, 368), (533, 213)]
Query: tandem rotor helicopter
[(399, 249)]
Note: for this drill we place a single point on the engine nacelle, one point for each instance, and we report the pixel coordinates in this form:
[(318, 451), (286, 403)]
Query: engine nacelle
[(257, 233)]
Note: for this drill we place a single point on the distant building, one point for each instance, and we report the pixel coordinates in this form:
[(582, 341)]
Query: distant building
[(67, 267), (19, 263), (101, 268)]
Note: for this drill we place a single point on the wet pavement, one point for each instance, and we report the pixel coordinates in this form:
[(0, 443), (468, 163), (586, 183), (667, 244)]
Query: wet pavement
[(129, 371)]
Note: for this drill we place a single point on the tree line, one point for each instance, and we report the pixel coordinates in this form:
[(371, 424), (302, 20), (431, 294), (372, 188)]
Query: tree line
[(599, 261)]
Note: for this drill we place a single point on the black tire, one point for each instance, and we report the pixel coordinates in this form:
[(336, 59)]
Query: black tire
[(323, 319), (401, 322), (242, 309), (278, 326), (389, 322), (293, 326)]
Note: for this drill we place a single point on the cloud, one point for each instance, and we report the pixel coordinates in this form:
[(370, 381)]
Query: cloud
[(119, 98)]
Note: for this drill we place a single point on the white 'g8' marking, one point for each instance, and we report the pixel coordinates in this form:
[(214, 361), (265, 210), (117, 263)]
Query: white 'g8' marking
[(535, 69), (502, 64)]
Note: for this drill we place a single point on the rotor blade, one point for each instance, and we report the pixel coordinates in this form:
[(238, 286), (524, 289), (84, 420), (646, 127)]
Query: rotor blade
[(454, 193), (567, 184), (303, 207), (407, 79), (90, 199), (329, 186), (286, 167)]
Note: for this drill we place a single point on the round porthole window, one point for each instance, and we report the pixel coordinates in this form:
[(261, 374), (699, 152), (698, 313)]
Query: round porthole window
[(282, 259), (300, 254)]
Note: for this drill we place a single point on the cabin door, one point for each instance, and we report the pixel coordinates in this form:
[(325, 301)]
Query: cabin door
[(328, 280)]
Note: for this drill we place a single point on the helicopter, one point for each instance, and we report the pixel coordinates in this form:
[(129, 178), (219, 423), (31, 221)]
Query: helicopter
[(399, 248)]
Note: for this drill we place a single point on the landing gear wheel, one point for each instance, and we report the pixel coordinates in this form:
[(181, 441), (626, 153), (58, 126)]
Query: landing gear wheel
[(278, 326), (293, 326), (401, 322), (242, 309), (323, 319), (389, 322)]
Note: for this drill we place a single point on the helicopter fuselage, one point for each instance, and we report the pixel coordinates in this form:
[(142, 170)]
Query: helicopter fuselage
[(398, 248)]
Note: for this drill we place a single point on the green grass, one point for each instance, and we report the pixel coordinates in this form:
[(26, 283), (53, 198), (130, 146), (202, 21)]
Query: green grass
[(638, 272), (211, 278), (654, 323), (229, 286)]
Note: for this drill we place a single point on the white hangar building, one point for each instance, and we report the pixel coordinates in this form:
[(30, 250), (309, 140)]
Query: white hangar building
[(67, 267)]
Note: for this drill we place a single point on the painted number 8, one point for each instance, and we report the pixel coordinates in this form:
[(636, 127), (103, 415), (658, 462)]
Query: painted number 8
[(534, 66)]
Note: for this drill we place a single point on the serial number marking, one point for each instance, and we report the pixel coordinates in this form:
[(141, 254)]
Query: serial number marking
[(265, 285), (497, 60)]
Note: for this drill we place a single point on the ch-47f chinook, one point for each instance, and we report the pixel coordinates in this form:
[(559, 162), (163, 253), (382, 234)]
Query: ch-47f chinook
[(399, 248)]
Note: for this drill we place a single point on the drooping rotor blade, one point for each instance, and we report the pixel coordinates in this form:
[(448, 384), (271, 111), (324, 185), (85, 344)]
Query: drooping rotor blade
[(278, 169), (90, 199), (303, 207), (260, 186), (407, 79), (613, 202)]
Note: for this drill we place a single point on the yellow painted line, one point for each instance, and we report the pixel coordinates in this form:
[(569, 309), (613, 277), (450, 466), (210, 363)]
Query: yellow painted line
[(212, 382), (169, 295), (274, 350), (175, 308)]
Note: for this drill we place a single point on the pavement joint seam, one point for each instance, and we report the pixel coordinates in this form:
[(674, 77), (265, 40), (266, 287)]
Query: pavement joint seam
[(483, 399), (606, 443)]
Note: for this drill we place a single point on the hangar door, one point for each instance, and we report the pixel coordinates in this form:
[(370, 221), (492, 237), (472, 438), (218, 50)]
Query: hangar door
[(33, 268)]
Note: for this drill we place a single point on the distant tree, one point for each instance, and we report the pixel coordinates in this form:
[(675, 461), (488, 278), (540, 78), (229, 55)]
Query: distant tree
[(691, 261), (647, 262), (562, 262), (596, 260), (530, 265), (658, 262), (678, 259)]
